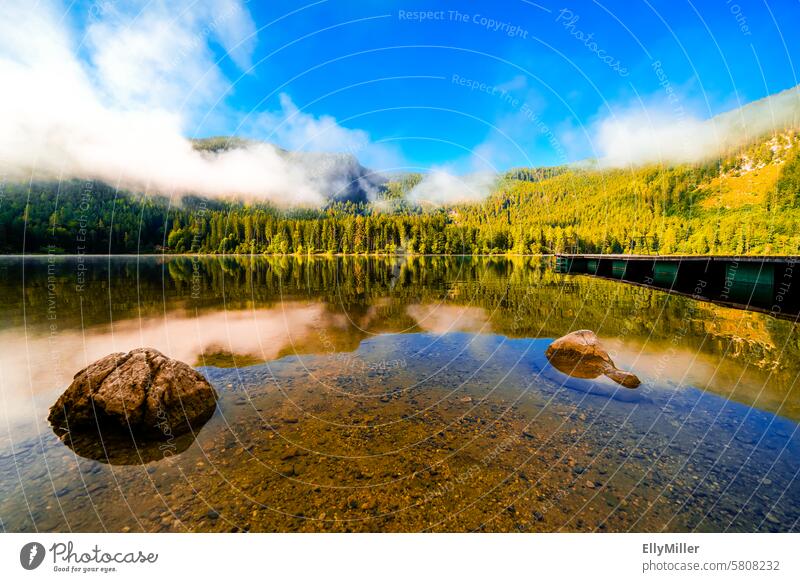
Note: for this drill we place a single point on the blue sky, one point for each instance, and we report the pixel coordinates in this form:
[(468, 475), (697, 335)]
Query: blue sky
[(112, 89), (393, 76)]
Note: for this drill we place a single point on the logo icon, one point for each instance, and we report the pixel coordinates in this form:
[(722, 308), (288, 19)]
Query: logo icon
[(31, 555)]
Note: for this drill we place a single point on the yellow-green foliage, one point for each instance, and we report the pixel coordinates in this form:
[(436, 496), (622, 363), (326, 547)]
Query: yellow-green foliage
[(747, 203)]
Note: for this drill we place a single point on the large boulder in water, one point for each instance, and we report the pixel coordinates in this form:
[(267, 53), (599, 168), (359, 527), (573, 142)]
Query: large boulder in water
[(579, 354), (143, 392)]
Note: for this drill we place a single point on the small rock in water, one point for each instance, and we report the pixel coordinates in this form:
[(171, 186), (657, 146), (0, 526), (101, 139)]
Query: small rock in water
[(290, 454), (579, 354), (772, 519), (212, 514)]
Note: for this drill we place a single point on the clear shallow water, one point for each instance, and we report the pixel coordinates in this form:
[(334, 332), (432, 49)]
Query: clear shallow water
[(399, 395)]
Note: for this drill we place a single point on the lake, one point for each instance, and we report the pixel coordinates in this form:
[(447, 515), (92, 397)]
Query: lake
[(398, 394)]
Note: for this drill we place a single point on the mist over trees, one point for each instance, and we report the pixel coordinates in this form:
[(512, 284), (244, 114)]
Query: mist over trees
[(747, 203)]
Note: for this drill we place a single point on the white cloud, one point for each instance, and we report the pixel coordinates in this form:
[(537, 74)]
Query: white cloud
[(152, 61), (234, 28), (298, 130), (636, 136), (157, 54), (442, 187), (120, 114), (468, 180), (658, 132)]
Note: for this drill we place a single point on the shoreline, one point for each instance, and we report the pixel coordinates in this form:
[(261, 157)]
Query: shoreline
[(266, 256), (384, 255)]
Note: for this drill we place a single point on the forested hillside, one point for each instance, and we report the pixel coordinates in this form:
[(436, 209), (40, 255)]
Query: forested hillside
[(747, 203)]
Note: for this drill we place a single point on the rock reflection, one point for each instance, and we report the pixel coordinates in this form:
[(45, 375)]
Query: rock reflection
[(112, 446)]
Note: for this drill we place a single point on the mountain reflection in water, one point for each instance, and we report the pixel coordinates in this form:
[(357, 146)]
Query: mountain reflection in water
[(400, 394)]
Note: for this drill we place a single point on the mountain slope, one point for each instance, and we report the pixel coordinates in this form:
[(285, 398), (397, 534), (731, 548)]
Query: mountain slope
[(747, 202)]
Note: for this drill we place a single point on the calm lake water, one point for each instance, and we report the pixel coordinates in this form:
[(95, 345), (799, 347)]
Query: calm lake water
[(399, 394)]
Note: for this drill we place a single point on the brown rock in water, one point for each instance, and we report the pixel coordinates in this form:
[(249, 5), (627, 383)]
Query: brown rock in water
[(579, 354), (142, 391)]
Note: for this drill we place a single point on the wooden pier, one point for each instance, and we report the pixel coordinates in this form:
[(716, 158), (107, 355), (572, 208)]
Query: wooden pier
[(770, 284)]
